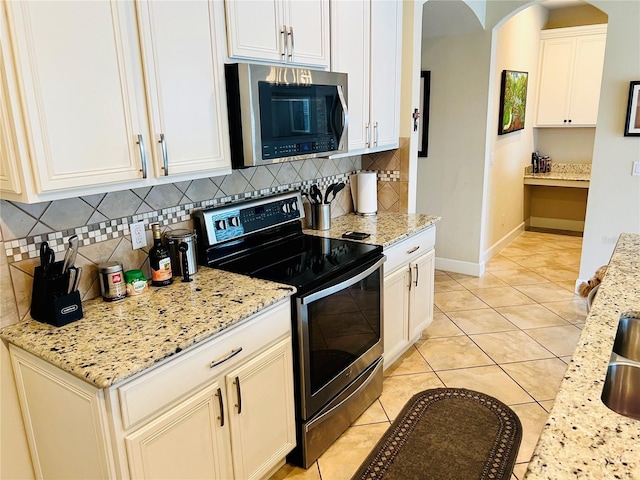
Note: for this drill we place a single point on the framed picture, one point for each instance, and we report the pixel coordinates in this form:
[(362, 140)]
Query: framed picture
[(632, 126), (423, 121), (513, 101)]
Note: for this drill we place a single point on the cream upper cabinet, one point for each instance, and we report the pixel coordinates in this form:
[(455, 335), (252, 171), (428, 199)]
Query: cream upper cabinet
[(99, 87), (184, 74), (366, 44), (286, 31), (570, 75)]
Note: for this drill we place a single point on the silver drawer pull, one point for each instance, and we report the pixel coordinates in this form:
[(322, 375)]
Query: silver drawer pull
[(233, 353), (409, 252)]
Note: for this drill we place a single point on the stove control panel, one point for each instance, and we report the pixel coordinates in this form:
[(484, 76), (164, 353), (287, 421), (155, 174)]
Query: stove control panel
[(221, 224)]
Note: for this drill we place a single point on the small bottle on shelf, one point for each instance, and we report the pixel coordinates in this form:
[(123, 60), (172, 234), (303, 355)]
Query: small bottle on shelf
[(159, 260)]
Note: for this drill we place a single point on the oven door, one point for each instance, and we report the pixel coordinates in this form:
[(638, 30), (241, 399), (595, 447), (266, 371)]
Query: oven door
[(339, 334)]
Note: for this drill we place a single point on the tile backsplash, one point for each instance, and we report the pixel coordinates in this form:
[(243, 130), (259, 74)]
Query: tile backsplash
[(102, 221)]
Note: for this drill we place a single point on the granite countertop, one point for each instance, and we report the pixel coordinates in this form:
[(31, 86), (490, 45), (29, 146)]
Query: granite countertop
[(385, 228), (116, 340), (583, 438), (576, 172)]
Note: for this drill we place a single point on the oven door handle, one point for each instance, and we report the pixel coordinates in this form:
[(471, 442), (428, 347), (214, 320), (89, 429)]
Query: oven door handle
[(325, 292)]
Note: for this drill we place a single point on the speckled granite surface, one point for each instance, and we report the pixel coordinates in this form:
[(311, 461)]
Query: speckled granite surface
[(583, 438), (116, 340), (580, 172), (385, 228)]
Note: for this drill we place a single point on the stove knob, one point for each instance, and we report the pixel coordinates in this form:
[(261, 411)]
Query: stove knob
[(286, 208), (294, 206), (221, 224), (234, 221)]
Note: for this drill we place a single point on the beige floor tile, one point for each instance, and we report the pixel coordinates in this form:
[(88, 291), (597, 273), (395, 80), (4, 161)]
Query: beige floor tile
[(533, 417), (373, 414), (557, 273), (519, 470), (540, 378), (487, 280), (441, 326), (567, 285), (458, 300), (446, 284), (409, 362), (507, 347), (519, 276), (573, 311), (499, 263), (531, 316), (502, 296), (566, 359), (547, 404), (485, 320), (514, 251), (453, 352), (546, 292), (397, 390), (559, 340), (344, 457), (290, 472), (491, 380), (535, 260), (439, 273)]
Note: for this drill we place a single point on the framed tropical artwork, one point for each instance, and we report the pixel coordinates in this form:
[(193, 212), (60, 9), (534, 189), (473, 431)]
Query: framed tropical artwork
[(513, 101)]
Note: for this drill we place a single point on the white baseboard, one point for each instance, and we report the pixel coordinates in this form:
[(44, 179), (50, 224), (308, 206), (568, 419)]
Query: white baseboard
[(557, 224), (494, 249), (458, 266)]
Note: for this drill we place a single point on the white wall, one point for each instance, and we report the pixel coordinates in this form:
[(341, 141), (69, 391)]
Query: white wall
[(517, 46)]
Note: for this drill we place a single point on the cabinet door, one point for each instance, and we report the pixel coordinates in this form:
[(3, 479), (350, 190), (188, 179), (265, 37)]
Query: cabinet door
[(421, 302), (555, 81), (255, 29), (396, 314), (186, 442), (350, 53), (587, 78), (185, 84), (82, 104), (261, 411), (386, 58), (308, 32), (9, 166)]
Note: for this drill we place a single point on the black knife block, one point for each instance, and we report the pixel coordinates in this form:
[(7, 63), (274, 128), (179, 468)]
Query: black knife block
[(50, 302)]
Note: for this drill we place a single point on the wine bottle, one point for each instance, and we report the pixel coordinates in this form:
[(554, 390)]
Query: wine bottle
[(159, 260)]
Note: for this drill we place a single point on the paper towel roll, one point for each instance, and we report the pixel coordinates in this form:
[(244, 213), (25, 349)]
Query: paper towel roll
[(367, 193)]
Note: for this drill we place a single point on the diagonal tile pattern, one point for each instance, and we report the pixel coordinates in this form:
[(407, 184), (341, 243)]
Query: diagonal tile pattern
[(509, 333)]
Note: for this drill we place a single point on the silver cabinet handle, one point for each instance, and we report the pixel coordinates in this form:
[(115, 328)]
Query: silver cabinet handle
[(410, 278), (143, 156), (291, 44), (375, 134), (283, 41), (416, 280), (368, 135), (165, 159), (221, 402), (232, 354), (239, 405)]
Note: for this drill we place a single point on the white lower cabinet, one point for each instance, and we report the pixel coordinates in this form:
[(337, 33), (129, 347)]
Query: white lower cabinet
[(221, 410), (408, 292)]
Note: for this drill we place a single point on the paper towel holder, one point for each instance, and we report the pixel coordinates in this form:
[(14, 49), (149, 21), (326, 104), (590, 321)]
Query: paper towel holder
[(357, 193)]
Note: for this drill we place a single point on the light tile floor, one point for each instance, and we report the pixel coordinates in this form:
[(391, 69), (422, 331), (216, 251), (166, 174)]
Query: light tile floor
[(509, 333)]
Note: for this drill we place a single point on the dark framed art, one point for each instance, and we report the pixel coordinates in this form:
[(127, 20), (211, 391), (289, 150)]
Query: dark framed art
[(423, 121), (513, 101), (632, 125)]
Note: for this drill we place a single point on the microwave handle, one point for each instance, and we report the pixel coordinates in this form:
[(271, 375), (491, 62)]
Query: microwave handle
[(345, 117), (341, 284)]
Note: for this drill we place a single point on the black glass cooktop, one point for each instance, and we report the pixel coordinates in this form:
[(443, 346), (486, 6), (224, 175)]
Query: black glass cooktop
[(303, 261)]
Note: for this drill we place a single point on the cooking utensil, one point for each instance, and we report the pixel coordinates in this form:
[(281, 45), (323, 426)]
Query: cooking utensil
[(70, 254), (76, 284), (327, 192), (47, 257), (72, 280), (334, 190), (316, 195)]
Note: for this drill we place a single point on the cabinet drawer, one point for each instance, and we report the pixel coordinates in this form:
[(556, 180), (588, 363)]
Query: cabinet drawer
[(166, 383), (405, 251)]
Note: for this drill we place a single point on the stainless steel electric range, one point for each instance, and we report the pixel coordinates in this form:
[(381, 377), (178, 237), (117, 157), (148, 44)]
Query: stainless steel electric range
[(336, 312)]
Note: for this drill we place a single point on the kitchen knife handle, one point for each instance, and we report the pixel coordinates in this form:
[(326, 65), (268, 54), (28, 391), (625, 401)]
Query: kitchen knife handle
[(143, 156), (239, 405), (221, 403), (233, 353), (165, 158)]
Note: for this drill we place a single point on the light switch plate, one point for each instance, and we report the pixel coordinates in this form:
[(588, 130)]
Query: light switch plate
[(138, 236), (636, 169)]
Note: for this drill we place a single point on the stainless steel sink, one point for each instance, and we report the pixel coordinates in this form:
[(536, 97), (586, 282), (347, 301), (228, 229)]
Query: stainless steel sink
[(621, 392), (627, 342)]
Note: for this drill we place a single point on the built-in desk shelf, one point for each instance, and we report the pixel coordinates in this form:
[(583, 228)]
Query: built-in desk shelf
[(570, 175)]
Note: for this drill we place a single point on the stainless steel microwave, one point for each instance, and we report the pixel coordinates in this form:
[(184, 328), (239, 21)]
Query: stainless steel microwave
[(279, 113)]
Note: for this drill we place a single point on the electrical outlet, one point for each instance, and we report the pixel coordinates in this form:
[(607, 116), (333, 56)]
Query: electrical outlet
[(636, 169), (138, 235)]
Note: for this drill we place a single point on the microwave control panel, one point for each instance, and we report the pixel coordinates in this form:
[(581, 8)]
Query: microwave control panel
[(233, 221)]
